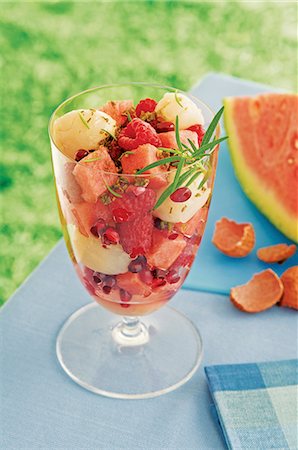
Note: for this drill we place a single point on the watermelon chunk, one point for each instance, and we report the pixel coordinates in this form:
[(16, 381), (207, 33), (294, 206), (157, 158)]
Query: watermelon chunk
[(132, 283), (194, 224), (168, 139), (87, 214), (263, 143), (164, 251), (117, 110), (90, 176), (141, 157)]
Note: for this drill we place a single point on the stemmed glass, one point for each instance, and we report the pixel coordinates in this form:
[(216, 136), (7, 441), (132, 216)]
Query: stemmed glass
[(124, 345)]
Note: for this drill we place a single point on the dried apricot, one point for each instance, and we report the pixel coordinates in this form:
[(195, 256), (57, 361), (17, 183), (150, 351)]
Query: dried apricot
[(276, 253), (261, 292), (232, 238), (290, 282)]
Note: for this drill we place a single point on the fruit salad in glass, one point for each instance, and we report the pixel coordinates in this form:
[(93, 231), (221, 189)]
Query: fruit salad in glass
[(134, 177)]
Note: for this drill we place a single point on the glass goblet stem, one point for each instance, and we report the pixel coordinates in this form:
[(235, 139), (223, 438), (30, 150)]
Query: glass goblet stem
[(130, 332)]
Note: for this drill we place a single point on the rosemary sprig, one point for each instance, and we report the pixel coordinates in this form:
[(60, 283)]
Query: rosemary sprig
[(112, 190), (83, 120), (210, 130), (126, 153), (91, 160), (178, 99), (190, 160), (127, 114), (160, 162), (108, 133)]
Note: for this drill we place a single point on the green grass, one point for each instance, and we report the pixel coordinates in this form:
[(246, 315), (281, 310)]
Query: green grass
[(52, 50)]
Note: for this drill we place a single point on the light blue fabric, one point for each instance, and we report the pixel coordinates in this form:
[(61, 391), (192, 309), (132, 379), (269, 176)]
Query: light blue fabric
[(41, 408), (213, 271), (257, 404)]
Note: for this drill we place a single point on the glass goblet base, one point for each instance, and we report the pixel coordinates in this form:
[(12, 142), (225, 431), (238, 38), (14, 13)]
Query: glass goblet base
[(131, 359)]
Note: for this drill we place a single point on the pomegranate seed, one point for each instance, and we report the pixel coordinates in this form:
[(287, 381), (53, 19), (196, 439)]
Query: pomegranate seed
[(173, 236), (121, 215), (81, 154), (109, 281), (125, 296), (110, 236), (106, 289), (124, 305), (159, 273), (164, 127), (98, 227), (172, 277), (146, 276), (181, 195), (98, 277), (138, 264), (157, 282)]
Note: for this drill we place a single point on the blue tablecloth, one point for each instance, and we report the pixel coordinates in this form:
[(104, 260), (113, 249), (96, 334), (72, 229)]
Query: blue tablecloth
[(41, 408)]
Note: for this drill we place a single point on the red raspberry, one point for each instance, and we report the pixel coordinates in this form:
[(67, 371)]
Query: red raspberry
[(137, 133), (199, 130), (147, 105), (136, 234)]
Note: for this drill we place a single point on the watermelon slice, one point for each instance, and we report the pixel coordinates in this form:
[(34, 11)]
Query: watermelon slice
[(94, 177), (263, 143)]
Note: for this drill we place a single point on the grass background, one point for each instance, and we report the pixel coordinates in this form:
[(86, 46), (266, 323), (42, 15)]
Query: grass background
[(51, 50)]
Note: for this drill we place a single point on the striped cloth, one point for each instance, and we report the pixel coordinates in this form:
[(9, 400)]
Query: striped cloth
[(256, 404)]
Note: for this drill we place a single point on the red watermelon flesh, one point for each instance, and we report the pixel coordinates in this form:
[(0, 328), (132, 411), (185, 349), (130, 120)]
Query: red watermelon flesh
[(141, 157), (263, 142), (118, 110), (94, 176), (87, 214), (168, 139)]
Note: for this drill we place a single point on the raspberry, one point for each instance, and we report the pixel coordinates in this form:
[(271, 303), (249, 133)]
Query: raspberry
[(199, 130), (136, 233), (137, 133), (147, 105)]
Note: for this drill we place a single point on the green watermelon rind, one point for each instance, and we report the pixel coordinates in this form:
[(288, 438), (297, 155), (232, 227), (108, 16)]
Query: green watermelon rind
[(265, 200)]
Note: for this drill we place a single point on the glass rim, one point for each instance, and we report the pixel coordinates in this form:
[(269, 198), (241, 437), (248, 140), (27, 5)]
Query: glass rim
[(115, 85)]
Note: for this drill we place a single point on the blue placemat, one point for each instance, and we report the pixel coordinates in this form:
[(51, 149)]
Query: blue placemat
[(257, 404), (41, 408), (213, 271)]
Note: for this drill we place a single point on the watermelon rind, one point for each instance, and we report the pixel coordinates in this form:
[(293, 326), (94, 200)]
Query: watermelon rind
[(265, 200)]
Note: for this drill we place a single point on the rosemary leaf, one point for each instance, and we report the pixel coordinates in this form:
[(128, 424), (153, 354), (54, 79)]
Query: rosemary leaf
[(177, 135), (178, 100), (193, 178), (112, 191), (83, 120), (160, 162), (166, 193), (212, 126), (91, 160), (110, 134)]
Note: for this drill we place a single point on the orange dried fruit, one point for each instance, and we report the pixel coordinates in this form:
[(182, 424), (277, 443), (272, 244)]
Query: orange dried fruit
[(276, 253), (232, 238), (261, 292), (290, 282)]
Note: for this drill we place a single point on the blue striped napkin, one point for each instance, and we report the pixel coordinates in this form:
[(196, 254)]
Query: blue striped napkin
[(256, 404)]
